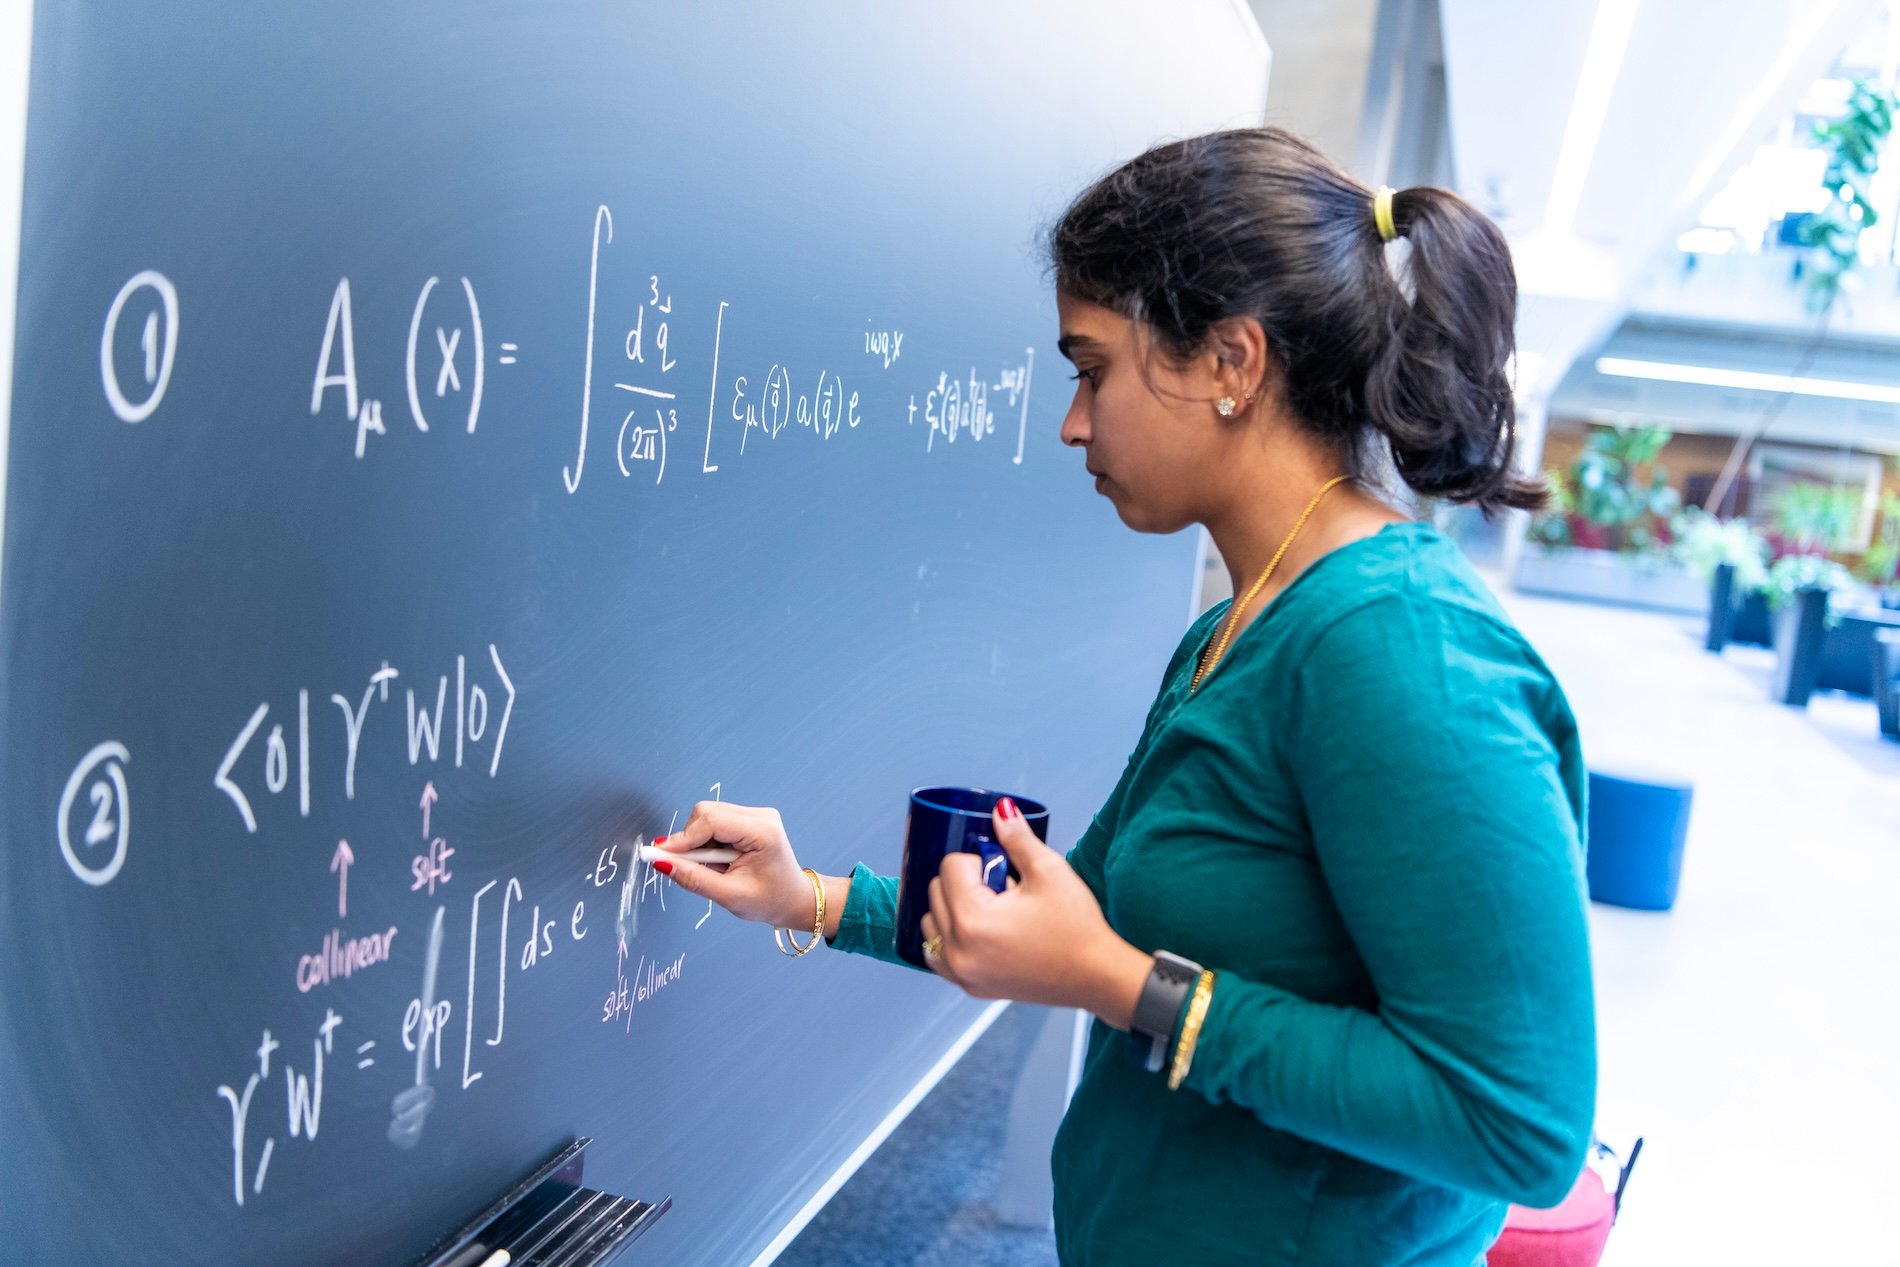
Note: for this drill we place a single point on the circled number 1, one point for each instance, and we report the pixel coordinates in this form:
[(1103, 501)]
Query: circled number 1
[(157, 362)]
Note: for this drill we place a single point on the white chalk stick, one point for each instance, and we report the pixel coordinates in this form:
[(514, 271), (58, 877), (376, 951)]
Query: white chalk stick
[(710, 853)]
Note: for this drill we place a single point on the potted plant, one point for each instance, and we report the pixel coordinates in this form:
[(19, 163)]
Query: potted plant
[(1605, 501), (1550, 527), (1880, 566), (1728, 554), (1798, 590), (1810, 521), (1852, 145), (1606, 536), (1814, 519)]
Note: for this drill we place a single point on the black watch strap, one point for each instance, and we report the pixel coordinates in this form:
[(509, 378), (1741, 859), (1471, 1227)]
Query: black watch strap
[(1163, 996)]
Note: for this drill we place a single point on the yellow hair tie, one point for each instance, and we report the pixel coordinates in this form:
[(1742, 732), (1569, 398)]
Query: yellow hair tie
[(1382, 213)]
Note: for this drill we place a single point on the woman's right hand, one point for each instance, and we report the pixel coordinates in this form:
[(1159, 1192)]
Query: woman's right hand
[(764, 883)]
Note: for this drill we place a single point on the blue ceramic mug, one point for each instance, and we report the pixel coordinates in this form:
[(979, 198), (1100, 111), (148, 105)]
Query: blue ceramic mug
[(943, 821)]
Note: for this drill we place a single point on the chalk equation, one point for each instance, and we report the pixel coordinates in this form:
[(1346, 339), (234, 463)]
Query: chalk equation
[(303, 1100), (445, 354), (748, 401), (482, 707), (430, 937), (447, 1029), (444, 375), (446, 358), (641, 883), (508, 936)]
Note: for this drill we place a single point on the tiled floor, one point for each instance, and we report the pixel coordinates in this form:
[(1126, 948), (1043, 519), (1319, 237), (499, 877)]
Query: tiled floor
[(1752, 1034)]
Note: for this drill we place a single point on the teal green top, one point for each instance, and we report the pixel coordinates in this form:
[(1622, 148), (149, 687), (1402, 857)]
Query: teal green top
[(1367, 821)]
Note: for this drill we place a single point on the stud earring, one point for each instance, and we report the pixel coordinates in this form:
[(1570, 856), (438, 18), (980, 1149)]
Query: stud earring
[(1224, 406)]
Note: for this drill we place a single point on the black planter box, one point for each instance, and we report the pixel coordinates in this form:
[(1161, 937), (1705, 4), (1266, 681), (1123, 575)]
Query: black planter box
[(1735, 616), (1847, 650), (1800, 635), (1721, 607), (1884, 654), (1753, 621)]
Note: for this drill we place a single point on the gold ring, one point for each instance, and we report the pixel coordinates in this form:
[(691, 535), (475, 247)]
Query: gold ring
[(933, 948)]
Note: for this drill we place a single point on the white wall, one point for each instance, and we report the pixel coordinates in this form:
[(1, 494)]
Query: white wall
[(1320, 51)]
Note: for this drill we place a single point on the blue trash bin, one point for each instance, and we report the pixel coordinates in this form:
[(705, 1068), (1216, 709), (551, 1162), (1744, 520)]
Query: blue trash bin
[(1638, 824)]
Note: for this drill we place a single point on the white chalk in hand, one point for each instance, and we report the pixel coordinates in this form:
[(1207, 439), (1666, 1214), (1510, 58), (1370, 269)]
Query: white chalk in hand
[(710, 853)]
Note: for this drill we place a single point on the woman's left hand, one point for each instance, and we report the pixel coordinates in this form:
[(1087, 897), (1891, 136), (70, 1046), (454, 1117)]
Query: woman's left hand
[(1043, 940)]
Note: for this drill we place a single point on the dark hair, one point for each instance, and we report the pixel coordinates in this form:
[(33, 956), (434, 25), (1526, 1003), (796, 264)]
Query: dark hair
[(1256, 222)]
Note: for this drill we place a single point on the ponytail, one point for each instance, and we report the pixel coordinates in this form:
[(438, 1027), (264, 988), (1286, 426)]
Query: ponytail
[(1439, 387)]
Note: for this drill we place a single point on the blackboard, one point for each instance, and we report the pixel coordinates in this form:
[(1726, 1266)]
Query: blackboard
[(448, 440)]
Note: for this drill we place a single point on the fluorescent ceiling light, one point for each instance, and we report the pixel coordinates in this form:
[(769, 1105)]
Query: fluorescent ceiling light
[(1747, 380), (1609, 36), (1770, 83)]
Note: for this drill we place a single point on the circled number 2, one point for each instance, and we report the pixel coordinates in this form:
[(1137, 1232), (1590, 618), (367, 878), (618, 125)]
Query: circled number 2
[(157, 362), (111, 811)]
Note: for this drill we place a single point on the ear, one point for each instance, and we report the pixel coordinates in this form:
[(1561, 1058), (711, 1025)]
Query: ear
[(1237, 359)]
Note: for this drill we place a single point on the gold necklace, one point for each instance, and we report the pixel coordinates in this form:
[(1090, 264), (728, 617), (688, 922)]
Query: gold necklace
[(1209, 660)]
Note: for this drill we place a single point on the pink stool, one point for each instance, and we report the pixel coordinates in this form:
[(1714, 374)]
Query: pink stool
[(1571, 1234)]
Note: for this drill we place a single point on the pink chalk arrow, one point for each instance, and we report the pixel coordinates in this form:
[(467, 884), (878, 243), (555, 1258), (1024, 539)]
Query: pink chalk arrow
[(429, 797), (340, 863)]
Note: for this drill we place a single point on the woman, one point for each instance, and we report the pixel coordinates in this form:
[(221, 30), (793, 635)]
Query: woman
[(1333, 910)]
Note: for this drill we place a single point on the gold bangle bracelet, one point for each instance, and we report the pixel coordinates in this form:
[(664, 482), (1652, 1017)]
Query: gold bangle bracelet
[(1191, 1030), (783, 935)]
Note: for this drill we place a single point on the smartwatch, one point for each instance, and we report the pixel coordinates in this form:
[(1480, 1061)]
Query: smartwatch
[(1163, 996)]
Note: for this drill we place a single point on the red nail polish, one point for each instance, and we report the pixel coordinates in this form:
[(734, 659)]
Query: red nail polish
[(1007, 808), (659, 840), (662, 866)]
